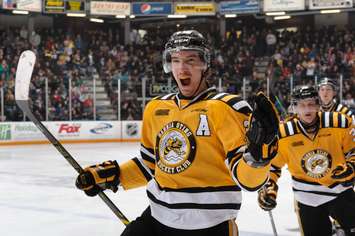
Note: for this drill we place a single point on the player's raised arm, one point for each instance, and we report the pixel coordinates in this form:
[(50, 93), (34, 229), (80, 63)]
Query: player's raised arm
[(262, 144)]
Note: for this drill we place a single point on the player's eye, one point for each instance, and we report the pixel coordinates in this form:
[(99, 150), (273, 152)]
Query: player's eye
[(175, 60), (191, 61)]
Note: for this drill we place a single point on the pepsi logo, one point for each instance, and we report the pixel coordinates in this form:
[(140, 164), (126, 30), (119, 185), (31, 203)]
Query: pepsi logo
[(146, 8)]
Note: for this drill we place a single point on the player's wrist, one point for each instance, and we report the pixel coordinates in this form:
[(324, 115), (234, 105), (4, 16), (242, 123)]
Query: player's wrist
[(250, 160)]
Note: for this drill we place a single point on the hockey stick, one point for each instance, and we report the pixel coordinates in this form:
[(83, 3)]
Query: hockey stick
[(22, 86), (278, 104), (272, 223), (275, 99), (283, 113), (271, 219)]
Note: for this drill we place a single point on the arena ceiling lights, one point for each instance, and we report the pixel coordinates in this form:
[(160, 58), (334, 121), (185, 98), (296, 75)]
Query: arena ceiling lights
[(19, 12), (332, 11), (177, 16), (276, 13), (96, 20), (76, 14), (286, 17), (230, 15)]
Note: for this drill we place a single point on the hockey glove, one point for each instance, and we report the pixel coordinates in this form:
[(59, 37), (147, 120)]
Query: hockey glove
[(345, 173), (262, 133), (267, 196), (96, 178)]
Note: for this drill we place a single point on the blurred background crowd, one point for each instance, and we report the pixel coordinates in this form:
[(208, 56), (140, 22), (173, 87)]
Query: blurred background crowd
[(68, 62)]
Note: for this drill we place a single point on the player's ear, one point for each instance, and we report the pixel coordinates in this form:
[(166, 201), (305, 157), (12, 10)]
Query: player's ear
[(204, 68)]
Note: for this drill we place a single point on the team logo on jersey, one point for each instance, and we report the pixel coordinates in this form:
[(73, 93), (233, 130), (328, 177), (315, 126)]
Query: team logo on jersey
[(316, 163), (175, 148)]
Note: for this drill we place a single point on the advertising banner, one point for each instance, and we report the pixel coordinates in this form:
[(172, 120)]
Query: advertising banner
[(54, 6), (26, 131), (156, 89), (329, 4), (86, 130), (284, 5), (9, 4), (242, 6), (110, 8), (151, 8), (195, 8), (29, 5), (20, 132), (75, 6), (5, 132)]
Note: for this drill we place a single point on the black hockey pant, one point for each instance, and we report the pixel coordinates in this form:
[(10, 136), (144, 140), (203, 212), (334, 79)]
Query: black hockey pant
[(315, 220), (146, 225)]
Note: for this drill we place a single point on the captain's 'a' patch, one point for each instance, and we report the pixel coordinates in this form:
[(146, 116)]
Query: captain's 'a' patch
[(203, 127)]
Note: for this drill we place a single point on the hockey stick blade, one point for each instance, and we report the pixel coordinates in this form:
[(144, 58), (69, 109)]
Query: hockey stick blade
[(23, 74), (22, 83)]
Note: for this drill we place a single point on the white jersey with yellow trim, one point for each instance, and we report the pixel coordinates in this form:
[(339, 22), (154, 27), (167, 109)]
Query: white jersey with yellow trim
[(311, 161), (191, 159)]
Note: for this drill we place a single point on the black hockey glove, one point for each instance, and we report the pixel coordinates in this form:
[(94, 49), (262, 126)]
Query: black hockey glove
[(96, 178), (267, 196), (345, 173), (262, 133)]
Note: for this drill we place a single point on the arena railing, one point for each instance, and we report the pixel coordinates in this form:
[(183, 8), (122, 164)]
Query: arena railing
[(121, 98)]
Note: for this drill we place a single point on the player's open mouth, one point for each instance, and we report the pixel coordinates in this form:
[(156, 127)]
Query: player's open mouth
[(185, 81)]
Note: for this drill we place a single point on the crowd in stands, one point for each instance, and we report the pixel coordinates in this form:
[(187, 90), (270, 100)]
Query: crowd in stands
[(67, 60)]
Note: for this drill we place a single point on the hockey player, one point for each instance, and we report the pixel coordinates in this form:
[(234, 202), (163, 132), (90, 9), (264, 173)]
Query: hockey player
[(327, 91), (318, 149), (194, 155)]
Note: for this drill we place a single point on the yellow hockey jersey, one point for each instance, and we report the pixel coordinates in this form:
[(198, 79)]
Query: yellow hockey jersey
[(338, 107), (191, 159), (311, 161)]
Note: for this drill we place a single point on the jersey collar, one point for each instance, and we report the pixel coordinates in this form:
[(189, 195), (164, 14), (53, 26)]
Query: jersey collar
[(183, 103), (303, 129)]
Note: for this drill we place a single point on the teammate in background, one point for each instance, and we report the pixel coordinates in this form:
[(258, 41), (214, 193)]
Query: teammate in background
[(194, 156), (327, 91), (318, 148)]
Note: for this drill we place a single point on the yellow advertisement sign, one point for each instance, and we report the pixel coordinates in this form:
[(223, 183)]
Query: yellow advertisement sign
[(195, 8)]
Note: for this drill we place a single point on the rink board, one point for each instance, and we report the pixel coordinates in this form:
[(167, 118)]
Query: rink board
[(13, 133)]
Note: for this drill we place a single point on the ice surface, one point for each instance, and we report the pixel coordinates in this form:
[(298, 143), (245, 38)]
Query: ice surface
[(38, 196)]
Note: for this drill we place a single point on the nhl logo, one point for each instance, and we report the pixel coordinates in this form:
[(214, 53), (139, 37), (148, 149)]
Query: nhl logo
[(132, 129)]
